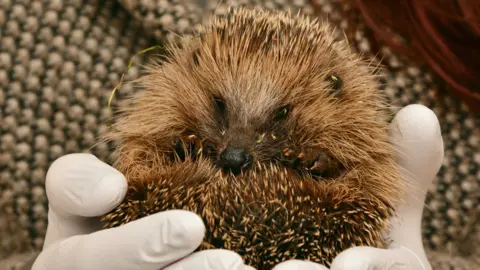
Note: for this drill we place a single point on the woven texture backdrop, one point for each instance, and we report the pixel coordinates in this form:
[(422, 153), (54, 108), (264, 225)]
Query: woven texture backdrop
[(59, 61)]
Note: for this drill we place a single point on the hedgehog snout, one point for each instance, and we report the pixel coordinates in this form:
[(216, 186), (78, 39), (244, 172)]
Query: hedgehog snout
[(235, 159)]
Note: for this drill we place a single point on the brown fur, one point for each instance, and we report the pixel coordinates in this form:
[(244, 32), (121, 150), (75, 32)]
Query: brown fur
[(258, 62)]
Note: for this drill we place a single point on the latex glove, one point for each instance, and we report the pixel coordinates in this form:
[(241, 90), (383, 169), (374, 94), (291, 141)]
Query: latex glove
[(79, 188), (416, 133)]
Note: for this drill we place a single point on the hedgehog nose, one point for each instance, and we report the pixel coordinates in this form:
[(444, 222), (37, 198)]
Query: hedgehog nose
[(235, 159)]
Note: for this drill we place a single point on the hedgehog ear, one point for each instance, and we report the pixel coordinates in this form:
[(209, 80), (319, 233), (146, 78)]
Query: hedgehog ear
[(336, 84)]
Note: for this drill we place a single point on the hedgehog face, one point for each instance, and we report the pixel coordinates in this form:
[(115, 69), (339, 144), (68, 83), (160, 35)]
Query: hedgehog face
[(256, 88), (244, 129), (269, 90), (284, 93)]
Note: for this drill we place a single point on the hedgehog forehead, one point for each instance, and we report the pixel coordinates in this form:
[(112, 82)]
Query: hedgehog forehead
[(286, 50), (250, 98), (266, 32)]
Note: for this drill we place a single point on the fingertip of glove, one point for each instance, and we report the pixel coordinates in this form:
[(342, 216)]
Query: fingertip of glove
[(416, 132), (355, 258), (55, 182), (419, 121), (80, 184), (108, 193), (59, 165), (299, 265), (154, 241), (181, 229), (193, 226), (212, 259), (219, 259)]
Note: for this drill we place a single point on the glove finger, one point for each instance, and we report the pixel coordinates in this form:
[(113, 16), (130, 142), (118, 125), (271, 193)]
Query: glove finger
[(368, 258), (416, 132), (299, 265), (82, 185), (212, 259), (152, 243)]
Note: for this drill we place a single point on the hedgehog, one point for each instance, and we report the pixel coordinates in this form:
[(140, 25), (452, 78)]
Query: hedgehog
[(268, 128)]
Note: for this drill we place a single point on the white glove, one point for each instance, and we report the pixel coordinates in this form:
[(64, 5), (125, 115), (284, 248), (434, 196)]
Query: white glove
[(79, 188), (416, 132)]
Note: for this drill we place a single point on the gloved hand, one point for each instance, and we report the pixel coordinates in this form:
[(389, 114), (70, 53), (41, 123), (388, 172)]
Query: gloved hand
[(79, 188), (416, 133)]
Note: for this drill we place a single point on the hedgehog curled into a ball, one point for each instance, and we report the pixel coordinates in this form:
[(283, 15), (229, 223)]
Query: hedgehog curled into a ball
[(271, 131)]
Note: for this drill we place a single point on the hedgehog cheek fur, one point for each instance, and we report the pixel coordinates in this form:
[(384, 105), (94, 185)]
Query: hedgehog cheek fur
[(293, 202)]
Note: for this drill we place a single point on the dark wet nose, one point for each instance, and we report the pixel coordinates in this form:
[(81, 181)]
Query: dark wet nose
[(235, 159)]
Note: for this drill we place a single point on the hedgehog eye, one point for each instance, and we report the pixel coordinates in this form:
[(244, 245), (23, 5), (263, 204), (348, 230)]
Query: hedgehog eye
[(220, 105), (336, 82), (282, 112), (220, 108)]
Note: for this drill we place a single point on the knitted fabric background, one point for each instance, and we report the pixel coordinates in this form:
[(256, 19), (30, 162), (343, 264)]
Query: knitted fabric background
[(59, 61)]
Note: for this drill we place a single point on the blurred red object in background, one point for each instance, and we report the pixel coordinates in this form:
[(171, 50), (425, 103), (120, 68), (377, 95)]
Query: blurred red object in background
[(444, 34)]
